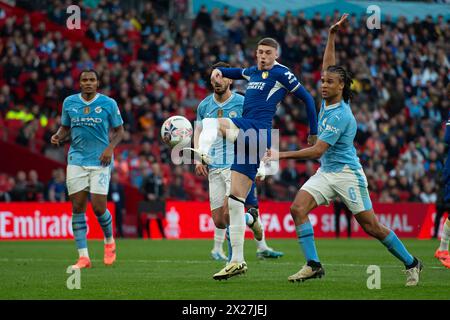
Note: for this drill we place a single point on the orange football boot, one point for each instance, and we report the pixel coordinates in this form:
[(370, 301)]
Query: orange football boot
[(110, 254), (441, 254), (83, 262), (446, 262)]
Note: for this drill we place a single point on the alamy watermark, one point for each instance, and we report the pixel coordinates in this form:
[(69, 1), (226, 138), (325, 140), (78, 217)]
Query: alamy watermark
[(374, 20), (374, 279), (74, 20), (74, 280)]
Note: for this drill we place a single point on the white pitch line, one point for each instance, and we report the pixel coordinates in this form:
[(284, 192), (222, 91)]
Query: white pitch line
[(206, 261)]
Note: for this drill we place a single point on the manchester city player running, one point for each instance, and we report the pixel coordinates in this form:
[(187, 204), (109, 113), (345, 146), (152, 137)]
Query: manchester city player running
[(340, 174), (268, 84), (87, 117), (224, 103)]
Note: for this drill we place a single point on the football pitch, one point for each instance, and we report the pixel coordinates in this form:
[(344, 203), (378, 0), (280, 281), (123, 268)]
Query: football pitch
[(183, 269)]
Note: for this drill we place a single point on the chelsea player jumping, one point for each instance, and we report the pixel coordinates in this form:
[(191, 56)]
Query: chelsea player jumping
[(88, 117), (340, 174), (224, 103), (268, 84)]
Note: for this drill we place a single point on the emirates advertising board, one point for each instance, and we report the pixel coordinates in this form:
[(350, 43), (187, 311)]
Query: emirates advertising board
[(192, 220), (35, 221)]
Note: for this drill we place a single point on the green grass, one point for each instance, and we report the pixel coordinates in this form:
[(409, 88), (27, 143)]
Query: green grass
[(182, 269)]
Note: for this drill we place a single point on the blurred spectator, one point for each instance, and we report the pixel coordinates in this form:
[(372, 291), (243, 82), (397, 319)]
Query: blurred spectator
[(56, 188), (35, 188), (176, 189), (19, 190), (5, 188), (152, 185), (414, 169), (290, 178), (428, 195), (117, 195), (338, 207)]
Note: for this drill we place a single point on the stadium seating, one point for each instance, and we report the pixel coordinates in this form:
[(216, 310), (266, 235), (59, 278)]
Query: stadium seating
[(185, 51)]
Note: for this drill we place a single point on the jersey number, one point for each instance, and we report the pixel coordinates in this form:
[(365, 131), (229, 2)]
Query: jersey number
[(103, 181), (352, 193)]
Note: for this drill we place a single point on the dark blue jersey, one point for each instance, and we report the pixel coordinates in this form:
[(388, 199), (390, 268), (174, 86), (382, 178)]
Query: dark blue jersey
[(447, 141), (266, 89)]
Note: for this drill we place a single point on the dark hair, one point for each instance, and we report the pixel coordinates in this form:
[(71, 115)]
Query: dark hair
[(346, 77), (221, 64), (271, 42), (88, 70)]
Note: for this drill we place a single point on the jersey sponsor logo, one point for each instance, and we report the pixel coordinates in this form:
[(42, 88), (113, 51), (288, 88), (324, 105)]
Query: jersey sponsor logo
[(256, 85), (232, 114), (98, 109), (87, 110), (87, 121), (265, 75), (331, 128)]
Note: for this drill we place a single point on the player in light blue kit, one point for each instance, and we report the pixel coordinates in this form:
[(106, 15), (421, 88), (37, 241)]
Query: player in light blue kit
[(225, 104), (88, 118), (268, 84), (340, 174)]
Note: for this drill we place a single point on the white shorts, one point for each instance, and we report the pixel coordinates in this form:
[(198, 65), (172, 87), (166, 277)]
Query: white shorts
[(219, 186), (349, 185), (92, 179)]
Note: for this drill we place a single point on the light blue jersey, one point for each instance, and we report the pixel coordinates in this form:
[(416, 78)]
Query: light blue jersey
[(89, 122), (222, 151), (337, 127)]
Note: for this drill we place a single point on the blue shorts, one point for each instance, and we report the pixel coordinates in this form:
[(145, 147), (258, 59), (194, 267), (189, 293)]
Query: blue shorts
[(252, 198), (248, 164)]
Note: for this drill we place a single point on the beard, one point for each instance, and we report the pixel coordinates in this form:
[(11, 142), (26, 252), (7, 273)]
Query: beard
[(220, 91)]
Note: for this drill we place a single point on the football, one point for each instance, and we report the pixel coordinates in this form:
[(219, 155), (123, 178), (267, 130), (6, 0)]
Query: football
[(176, 130)]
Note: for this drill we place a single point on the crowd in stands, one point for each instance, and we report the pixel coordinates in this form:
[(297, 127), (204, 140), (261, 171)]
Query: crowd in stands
[(28, 187), (156, 66)]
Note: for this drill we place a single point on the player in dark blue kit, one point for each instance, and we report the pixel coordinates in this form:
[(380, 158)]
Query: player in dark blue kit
[(268, 84), (442, 252)]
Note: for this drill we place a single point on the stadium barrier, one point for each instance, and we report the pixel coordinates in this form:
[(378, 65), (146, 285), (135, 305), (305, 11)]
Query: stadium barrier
[(44, 221), (192, 220)]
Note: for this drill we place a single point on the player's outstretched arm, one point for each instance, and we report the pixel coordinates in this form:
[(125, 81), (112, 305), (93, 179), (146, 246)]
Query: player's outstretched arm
[(290, 82), (310, 153), (307, 98), (230, 73), (329, 57)]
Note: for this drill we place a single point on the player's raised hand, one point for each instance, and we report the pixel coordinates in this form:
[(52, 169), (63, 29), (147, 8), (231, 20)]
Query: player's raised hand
[(216, 75), (312, 139), (201, 170), (106, 156), (335, 27)]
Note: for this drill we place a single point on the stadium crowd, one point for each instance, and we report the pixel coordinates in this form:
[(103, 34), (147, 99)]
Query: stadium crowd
[(156, 66), (28, 187)]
